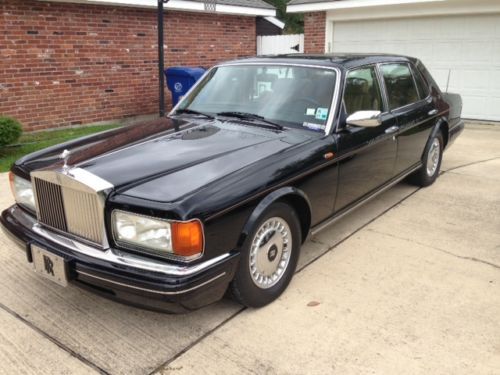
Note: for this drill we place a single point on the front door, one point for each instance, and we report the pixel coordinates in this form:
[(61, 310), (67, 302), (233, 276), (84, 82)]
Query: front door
[(367, 154)]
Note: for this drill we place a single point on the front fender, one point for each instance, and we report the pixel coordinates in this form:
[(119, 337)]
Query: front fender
[(294, 196)]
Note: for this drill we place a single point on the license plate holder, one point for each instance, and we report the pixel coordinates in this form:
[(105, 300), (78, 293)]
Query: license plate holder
[(49, 265)]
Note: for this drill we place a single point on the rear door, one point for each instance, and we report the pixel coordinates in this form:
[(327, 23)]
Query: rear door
[(410, 102), (367, 154)]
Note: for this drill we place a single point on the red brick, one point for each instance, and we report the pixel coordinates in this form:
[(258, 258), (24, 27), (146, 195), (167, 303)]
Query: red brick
[(87, 49), (314, 32)]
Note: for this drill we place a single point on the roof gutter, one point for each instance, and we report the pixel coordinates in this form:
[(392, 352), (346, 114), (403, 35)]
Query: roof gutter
[(350, 4), (181, 5)]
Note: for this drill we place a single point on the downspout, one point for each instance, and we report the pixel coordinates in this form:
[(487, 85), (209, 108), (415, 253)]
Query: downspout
[(161, 55)]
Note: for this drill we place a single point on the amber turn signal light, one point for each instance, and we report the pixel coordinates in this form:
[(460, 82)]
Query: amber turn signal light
[(187, 238)]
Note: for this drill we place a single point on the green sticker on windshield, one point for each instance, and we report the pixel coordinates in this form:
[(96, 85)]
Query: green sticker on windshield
[(321, 114)]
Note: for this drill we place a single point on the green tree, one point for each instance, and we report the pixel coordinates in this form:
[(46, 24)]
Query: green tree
[(294, 22)]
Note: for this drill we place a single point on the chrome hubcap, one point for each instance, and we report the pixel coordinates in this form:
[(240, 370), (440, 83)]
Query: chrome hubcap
[(433, 157), (270, 252)]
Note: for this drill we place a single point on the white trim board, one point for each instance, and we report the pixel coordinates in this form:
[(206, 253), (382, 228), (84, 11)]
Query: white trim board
[(444, 8), (181, 5), (349, 4), (397, 8), (276, 22)]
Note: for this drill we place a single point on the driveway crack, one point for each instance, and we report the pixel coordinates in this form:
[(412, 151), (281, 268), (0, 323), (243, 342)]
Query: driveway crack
[(53, 340), (165, 365), (469, 164), (473, 259)]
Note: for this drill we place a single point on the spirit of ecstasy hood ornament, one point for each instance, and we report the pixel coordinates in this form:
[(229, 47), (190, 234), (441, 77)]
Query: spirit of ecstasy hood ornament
[(65, 156)]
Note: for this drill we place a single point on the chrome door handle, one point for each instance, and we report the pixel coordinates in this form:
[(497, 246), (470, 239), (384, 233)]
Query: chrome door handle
[(433, 112), (392, 129)]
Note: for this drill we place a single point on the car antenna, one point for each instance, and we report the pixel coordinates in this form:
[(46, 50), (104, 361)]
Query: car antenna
[(448, 82)]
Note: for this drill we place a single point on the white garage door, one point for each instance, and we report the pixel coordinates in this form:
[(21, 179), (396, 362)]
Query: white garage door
[(466, 47)]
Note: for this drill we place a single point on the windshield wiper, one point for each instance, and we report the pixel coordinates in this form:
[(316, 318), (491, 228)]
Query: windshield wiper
[(193, 112), (250, 117)]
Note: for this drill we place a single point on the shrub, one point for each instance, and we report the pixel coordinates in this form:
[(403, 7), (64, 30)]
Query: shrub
[(10, 130)]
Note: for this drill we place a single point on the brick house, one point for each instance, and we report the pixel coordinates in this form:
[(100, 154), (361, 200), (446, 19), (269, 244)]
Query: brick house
[(85, 61)]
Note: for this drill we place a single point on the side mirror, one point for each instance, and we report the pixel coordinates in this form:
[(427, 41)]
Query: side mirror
[(366, 119)]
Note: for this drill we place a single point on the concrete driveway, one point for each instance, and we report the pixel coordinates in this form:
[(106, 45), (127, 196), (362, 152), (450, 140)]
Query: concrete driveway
[(409, 283)]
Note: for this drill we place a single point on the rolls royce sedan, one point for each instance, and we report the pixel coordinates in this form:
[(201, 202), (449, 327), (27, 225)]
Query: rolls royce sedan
[(220, 195)]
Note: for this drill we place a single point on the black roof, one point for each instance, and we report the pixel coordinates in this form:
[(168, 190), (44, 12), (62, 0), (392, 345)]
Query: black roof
[(346, 60)]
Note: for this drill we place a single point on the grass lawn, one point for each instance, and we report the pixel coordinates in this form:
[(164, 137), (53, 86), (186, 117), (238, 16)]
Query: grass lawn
[(32, 142)]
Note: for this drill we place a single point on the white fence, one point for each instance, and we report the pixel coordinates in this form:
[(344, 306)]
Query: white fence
[(279, 44)]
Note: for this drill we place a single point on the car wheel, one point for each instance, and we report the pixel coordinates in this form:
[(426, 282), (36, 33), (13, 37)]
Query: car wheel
[(431, 161), (269, 257)]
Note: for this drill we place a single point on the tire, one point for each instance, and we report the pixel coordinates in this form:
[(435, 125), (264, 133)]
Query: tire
[(268, 261), (431, 162)]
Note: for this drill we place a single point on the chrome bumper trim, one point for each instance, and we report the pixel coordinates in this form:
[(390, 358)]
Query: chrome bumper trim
[(165, 293), (110, 255)]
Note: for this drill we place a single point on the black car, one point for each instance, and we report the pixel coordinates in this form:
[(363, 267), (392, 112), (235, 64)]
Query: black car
[(221, 194)]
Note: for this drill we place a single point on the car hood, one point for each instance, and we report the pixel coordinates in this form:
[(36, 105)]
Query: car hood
[(154, 161)]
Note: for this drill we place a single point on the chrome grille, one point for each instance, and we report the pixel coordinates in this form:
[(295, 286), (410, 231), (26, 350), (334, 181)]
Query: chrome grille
[(70, 209), (50, 204), (83, 215)]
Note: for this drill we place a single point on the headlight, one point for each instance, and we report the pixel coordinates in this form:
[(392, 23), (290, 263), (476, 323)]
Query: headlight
[(161, 236), (22, 191)]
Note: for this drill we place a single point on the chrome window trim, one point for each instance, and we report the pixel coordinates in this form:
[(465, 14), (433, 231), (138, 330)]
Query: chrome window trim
[(414, 71), (142, 249), (113, 256), (333, 106)]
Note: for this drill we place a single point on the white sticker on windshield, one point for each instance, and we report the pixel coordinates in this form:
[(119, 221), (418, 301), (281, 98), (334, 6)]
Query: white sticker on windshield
[(315, 127), (310, 111), (322, 114)]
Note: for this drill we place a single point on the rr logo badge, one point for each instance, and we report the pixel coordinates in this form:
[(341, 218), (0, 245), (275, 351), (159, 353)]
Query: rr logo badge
[(48, 265)]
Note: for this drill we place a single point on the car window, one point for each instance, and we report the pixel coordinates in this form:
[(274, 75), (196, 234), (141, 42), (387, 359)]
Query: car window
[(292, 96), (423, 89), (400, 86), (362, 91)]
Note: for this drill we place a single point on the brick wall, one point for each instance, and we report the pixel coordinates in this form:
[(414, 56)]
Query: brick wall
[(314, 32), (69, 64)]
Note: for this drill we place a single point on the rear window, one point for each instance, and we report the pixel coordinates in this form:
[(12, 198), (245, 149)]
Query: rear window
[(400, 86)]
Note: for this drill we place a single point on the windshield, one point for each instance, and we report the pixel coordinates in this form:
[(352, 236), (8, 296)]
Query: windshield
[(291, 96)]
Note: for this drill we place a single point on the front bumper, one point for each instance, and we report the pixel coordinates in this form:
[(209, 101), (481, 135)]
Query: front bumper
[(132, 279)]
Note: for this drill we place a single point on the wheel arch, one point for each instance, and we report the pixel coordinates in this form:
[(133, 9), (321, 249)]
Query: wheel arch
[(442, 125), (292, 196)]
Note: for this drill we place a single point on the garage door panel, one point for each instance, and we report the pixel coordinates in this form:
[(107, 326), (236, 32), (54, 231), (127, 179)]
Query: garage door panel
[(480, 29), (477, 52), (475, 106), (492, 105), (453, 28), (445, 53), (493, 81), (467, 48), (474, 81), (425, 29)]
